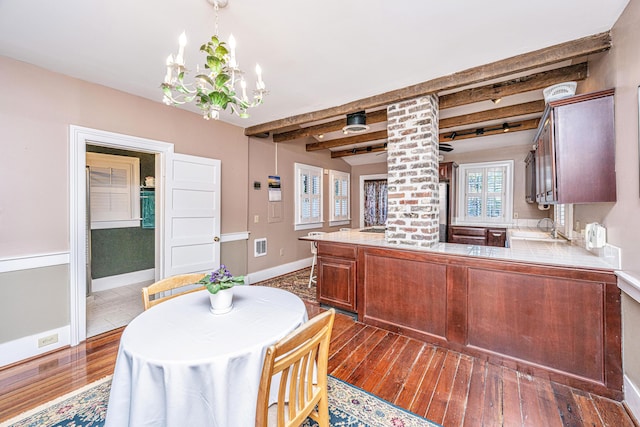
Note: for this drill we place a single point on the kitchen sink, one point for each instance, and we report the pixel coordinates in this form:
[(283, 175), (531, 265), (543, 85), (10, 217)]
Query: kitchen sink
[(535, 235)]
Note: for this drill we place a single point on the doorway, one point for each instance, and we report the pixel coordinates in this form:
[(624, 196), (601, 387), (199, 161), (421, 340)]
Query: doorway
[(120, 235), (373, 200), (79, 139)]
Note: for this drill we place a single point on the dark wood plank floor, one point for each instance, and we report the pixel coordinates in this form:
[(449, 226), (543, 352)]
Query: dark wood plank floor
[(449, 388)]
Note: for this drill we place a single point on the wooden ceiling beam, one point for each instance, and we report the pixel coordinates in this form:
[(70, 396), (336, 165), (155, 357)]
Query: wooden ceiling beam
[(445, 138), (533, 107), (515, 64), (523, 84), (356, 151), (340, 142), (378, 116)]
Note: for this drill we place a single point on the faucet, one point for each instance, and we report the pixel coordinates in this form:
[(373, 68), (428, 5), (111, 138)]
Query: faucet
[(554, 231)]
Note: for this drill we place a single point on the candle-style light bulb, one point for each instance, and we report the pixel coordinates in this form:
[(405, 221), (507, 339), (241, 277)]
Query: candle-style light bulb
[(169, 76), (232, 52), (243, 85), (182, 42), (260, 85)]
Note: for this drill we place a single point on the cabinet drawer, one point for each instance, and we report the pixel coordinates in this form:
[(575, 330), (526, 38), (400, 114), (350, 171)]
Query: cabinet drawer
[(469, 231), (496, 237), (468, 240), (337, 250)]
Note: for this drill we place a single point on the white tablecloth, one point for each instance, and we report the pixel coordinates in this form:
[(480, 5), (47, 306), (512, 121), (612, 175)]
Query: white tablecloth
[(180, 365)]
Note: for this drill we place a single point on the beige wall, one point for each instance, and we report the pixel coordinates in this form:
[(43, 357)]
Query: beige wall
[(518, 154), (33, 300), (281, 235), (621, 69), (36, 109)]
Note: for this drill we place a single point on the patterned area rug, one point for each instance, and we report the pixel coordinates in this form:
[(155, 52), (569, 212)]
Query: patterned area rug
[(296, 282), (349, 406)]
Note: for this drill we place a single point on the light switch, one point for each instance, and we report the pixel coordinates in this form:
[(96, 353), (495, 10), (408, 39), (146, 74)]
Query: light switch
[(256, 219)]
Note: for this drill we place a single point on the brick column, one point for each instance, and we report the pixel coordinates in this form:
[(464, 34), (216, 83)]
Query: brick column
[(412, 167)]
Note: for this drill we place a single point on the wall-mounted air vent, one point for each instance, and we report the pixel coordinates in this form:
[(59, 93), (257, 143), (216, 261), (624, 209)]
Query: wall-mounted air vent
[(259, 247)]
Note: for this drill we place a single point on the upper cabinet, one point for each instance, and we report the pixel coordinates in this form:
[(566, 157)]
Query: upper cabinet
[(530, 177), (447, 171), (575, 150)]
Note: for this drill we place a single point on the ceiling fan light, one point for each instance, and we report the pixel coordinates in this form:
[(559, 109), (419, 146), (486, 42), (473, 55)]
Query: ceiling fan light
[(356, 123)]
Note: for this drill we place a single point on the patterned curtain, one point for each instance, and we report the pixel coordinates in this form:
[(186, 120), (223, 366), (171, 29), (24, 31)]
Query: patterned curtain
[(375, 202)]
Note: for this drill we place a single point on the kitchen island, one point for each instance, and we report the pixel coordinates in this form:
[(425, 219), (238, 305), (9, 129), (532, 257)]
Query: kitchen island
[(542, 308)]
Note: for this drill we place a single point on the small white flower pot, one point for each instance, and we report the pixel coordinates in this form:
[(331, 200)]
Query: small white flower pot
[(222, 301)]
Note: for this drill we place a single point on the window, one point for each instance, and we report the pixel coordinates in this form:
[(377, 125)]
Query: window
[(487, 192), (563, 217), (339, 198), (308, 190), (114, 190)]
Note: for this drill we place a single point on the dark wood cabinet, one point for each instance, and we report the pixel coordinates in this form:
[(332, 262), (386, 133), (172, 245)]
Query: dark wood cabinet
[(530, 178), (558, 322), (575, 150), (481, 236), (337, 275), (447, 171), (496, 237)]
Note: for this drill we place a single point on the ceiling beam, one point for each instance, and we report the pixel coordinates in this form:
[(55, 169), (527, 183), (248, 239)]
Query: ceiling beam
[(378, 116), (445, 138), (340, 142), (533, 107), (515, 64), (528, 83), (360, 150)]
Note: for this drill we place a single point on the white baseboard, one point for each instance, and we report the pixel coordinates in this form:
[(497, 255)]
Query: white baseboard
[(279, 270), (632, 397), (26, 347), (116, 281)]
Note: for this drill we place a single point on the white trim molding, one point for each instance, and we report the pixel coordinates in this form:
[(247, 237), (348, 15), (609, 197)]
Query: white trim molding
[(118, 280), (232, 237), (25, 347), (632, 397), (279, 270), (33, 261), (629, 284)]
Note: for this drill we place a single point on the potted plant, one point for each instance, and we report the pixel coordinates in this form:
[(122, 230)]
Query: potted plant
[(220, 285)]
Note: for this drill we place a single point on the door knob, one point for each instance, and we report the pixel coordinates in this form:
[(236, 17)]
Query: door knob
[(216, 239)]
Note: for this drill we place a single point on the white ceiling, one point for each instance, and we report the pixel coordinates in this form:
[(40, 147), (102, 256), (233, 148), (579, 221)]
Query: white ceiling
[(314, 54)]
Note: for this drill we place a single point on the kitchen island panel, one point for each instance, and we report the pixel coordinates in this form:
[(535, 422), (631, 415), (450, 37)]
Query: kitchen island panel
[(533, 318), (404, 295)]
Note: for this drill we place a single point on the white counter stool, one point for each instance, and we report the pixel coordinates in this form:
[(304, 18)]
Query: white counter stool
[(314, 252)]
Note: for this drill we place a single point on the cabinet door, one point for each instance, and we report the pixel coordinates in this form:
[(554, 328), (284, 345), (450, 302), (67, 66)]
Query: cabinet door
[(548, 167), (530, 178), (337, 282), (496, 237)]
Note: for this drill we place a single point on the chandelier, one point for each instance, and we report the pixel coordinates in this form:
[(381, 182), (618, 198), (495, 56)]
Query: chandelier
[(215, 87)]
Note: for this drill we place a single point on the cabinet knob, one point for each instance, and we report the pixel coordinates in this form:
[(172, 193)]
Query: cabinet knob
[(216, 239)]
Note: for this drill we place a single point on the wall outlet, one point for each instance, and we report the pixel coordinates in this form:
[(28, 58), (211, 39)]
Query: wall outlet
[(516, 215), (281, 251), (48, 340), (256, 219)]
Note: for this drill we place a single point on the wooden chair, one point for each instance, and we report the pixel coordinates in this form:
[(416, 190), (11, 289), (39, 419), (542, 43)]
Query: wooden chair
[(169, 284), (298, 356)]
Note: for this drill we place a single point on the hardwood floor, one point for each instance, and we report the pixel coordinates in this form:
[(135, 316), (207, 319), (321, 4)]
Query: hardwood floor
[(449, 388)]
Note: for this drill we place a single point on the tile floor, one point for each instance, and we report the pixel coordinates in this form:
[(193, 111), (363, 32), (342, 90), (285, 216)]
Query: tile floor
[(110, 309)]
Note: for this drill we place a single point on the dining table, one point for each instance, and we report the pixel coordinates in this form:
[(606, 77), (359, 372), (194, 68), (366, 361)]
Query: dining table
[(179, 364)]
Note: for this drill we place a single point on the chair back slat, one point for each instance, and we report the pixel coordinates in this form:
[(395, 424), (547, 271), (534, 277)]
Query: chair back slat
[(297, 357), (169, 284)]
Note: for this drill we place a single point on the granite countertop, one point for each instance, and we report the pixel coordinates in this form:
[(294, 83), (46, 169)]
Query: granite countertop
[(533, 251)]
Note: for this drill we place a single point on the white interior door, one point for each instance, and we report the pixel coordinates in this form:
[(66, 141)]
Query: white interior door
[(192, 215)]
